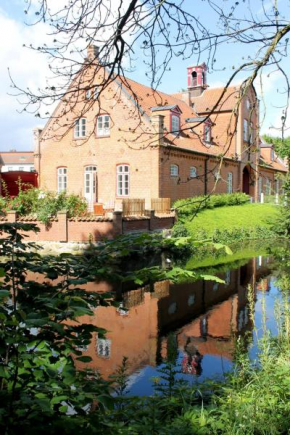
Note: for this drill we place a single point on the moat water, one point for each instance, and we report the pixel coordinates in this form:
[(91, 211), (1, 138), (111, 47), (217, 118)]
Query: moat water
[(194, 325)]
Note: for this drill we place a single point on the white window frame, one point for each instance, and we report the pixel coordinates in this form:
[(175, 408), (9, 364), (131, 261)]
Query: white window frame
[(80, 128), (62, 179), (230, 182), (174, 170), (103, 125), (88, 94), (217, 175), (207, 133), (245, 130), (193, 172), (10, 168), (123, 180), (175, 124)]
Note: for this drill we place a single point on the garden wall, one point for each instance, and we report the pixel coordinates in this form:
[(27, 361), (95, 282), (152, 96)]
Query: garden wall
[(92, 228)]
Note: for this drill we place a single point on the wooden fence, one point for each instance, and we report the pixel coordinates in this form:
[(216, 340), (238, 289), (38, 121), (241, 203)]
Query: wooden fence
[(133, 207), (161, 205)]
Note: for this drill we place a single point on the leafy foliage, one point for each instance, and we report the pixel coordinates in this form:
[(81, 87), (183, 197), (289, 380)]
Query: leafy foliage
[(43, 204), (191, 206)]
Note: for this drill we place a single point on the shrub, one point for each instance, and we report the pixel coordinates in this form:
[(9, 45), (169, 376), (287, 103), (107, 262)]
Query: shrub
[(190, 206), (43, 204)]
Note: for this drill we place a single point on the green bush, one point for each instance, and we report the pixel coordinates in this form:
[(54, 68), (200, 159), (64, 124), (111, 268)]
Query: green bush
[(190, 206), (43, 204)]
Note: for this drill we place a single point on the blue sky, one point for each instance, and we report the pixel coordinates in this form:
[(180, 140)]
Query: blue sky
[(31, 69)]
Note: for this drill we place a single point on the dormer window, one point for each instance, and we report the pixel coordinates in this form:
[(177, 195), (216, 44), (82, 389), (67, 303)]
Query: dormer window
[(207, 133), (175, 124)]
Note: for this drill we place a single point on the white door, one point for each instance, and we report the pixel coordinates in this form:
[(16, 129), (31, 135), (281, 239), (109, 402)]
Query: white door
[(90, 182)]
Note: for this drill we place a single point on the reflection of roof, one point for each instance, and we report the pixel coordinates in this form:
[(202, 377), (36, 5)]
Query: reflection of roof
[(14, 157)]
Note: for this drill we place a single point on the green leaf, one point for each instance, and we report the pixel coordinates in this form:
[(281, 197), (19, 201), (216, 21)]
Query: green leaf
[(212, 278), (58, 399), (2, 272), (4, 293)]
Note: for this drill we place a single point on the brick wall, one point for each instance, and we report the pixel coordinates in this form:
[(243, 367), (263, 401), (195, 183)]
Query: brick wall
[(62, 229)]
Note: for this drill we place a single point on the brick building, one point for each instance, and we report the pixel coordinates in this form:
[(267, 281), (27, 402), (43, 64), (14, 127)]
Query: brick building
[(132, 142)]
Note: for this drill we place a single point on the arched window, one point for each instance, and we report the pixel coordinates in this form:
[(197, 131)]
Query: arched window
[(194, 78), (230, 182), (61, 179), (193, 172), (174, 171), (123, 179)]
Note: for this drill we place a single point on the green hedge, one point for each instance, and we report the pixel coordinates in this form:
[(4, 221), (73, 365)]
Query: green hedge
[(190, 206)]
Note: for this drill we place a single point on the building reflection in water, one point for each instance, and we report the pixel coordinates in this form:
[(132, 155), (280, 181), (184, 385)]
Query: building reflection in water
[(192, 320)]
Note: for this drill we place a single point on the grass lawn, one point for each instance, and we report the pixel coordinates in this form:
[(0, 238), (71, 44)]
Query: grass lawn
[(229, 217)]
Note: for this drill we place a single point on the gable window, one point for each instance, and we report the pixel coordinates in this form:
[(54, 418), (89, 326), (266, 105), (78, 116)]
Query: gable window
[(248, 104), (193, 172), (175, 124), (230, 182), (123, 178), (245, 130), (103, 125), (80, 127), (207, 133), (88, 94), (174, 171), (61, 179)]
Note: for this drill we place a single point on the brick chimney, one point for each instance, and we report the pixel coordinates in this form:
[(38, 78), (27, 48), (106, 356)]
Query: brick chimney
[(196, 80), (92, 52)]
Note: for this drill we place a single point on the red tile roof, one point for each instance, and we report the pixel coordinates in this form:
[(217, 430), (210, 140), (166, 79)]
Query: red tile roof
[(16, 158)]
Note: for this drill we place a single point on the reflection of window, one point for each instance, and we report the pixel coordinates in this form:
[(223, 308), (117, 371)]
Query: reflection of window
[(104, 347), (80, 127), (191, 300), (228, 277), (21, 168), (175, 124), (173, 170), (31, 168), (61, 179), (123, 180), (103, 125), (172, 308), (193, 172), (215, 286)]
